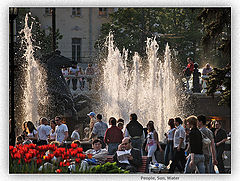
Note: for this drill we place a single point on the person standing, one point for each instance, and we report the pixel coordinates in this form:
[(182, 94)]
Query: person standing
[(188, 71), (92, 122), (179, 147), (196, 75), (113, 136), (168, 154), (152, 144), (61, 130), (89, 72), (99, 130), (43, 131), (196, 157), (134, 130), (220, 137), (32, 132), (209, 151), (52, 135)]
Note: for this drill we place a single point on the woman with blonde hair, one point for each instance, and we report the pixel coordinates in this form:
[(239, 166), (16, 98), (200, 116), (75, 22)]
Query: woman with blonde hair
[(196, 157)]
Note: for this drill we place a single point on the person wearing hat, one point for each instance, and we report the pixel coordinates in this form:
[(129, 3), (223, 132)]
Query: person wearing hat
[(92, 121)]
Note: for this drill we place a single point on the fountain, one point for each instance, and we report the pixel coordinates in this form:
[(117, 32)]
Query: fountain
[(46, 92), (149, 89)]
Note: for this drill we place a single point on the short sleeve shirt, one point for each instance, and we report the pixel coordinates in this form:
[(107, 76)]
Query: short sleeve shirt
[(179, 133), (99, 129), (75, 135), (208, 133), (43, 131), (60, 130)]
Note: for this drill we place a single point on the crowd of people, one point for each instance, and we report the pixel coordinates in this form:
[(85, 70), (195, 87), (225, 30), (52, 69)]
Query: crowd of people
[(192, 69), (191, 147), (83, 76)]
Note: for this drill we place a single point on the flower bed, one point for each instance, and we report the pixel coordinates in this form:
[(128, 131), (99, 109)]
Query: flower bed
[(52, 159)]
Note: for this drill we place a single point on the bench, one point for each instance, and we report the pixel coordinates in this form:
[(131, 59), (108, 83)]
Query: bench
[(140, 169)]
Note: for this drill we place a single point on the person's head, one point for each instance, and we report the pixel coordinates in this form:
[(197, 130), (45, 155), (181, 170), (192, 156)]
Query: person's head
[(126, 143), (24, 126), (207, 65), (97, 144), (202, 121), (112, 121), (192, 121), (99, 117), (86, 130), (120, 125), (195, 65), (218, 124), (77, 127), (91, 114), (53, 124), (19, 140), (189, 60), (150, 126), (43, 120), (177, 121), (30, 127), (89, 65), (120, 120), (171, 123), (58, 120), (133, 117)]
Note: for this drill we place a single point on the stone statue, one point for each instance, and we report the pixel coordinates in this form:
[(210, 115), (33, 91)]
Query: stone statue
[(59, 98)]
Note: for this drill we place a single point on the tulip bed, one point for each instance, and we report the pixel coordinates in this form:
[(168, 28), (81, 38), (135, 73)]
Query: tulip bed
[(33, 159)]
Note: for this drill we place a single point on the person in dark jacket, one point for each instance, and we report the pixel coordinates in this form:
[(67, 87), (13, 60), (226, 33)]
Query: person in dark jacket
[(196, 157), (134, 159), (220, 137), (134, 130)]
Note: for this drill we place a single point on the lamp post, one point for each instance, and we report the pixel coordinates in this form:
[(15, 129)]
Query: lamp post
[(13, 12), (53, 10)]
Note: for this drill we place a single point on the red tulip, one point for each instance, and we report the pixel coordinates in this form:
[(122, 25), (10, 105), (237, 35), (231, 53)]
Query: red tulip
[(78, 160), (58, 171), (74, 145)]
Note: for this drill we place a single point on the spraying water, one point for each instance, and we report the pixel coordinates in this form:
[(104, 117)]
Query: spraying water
[(34, 77), (149, 89)]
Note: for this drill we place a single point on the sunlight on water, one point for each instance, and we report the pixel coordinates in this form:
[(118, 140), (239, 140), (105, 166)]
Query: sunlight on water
[(148, 90)]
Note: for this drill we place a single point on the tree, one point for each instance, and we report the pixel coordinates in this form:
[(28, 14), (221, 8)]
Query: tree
[(132, 26), (217, 41)]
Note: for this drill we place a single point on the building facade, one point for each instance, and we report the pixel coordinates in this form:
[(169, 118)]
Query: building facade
[(80, 28)]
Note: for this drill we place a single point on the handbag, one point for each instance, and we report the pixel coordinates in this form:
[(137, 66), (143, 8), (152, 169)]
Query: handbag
[(205, 140)]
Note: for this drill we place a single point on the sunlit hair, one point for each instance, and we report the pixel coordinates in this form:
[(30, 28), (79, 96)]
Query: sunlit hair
[(192, 120)]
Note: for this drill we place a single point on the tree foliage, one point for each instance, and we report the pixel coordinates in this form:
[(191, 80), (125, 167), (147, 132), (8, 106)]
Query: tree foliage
[(217, 26), (176, 26)]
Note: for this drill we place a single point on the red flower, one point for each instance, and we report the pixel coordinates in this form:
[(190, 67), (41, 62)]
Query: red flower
[(89, 156), (39, 161), (27, 160), (58, 170), (19, 161), (28, 156), (74, 145), (78, 160), (11, 148), (79, 150), (17, 156)]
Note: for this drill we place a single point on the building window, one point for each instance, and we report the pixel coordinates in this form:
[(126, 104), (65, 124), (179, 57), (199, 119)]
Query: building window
[(48, 11), (102, 12), (76, 49), (76, 11)]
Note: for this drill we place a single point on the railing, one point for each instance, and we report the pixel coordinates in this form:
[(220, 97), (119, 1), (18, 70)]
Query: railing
[(82, 84)]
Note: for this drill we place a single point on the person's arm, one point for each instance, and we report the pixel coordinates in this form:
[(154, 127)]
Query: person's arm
[(191, 164), (181, 139), (65, 136), (106, 137), (126, 134), (157, 140), (213, 151)]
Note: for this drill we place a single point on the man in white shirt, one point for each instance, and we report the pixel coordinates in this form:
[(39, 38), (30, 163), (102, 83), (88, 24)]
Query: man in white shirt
[(179, 147), (61, 130), (43, 131), (75, 135)]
